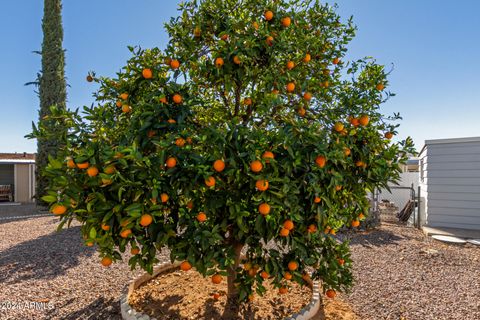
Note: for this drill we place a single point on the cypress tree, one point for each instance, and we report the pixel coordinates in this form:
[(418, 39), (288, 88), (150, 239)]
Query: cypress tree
[(52, 89)]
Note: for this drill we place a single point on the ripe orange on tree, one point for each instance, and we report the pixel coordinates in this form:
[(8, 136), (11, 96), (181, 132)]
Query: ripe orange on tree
[(180, 142), (283, 290), (286, 21), (363, 120), (307, 96), (360, 163), (267, 155), (264, 209), (321, 161), (247, 101), (361, 216), (219, 165), (264, 275), (111, 169), (289, 225), (269, 41), (284, 232), (118, 103), (301, 112), (190, 205), (125, 233), (92, 171), (163, 99), (164, 197), (71, 163), (355, 122), (261, 185), (290, 87), (175, 64), (355, 223), (292, 265), (89, 243), (287, 276), (135, 250), (380, 86), (177, 98), (347, 151), (290, 65), (126, 108), (210, 181), (331, 293), (388, 135), (317, 200), (185, 266), (105, 227), (312, 228), (124, 96), (201, 217), (339, 126), (336, 61), (147, 73), (224, 37), (83, 165), (216, 296), (219, 62), (58, 209), (106, 261), (341, 261), (307, 58), (171, 162), (89, 78), (146, 220), (216, 278), (237, 60), (268, 15), (256, 166)]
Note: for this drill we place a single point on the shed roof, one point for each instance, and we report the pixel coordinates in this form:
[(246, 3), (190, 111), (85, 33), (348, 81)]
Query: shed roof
[(446, 141), (23, 157)]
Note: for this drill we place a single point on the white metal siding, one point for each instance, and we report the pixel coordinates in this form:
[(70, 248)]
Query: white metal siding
[(451, 185)]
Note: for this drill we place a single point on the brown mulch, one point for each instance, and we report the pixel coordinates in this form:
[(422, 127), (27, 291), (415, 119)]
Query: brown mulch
[(187, 295), (400, 274)]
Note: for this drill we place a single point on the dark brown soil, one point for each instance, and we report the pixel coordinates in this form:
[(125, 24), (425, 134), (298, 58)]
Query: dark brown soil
[(187, 295)]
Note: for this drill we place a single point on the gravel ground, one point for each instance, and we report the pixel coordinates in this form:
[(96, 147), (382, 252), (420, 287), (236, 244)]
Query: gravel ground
[(400, 274), (57, 271)]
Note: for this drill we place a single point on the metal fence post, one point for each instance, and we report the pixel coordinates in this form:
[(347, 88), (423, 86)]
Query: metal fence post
[(419, 208)]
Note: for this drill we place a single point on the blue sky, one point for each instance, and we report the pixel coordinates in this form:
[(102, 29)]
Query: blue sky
[(432, 44)]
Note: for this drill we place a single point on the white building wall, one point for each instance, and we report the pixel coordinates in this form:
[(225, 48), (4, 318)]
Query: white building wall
[(451, 182)]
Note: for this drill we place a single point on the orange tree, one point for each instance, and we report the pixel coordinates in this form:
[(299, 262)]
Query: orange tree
[(248, 133)]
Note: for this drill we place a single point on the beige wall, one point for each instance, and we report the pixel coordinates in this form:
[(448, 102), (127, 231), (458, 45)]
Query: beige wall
[(24, 183)]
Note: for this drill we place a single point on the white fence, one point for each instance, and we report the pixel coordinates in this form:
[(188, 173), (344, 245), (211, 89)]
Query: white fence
[(399, 196)]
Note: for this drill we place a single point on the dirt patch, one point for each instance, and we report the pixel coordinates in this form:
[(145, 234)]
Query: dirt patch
[(187, 295), (338, 310)]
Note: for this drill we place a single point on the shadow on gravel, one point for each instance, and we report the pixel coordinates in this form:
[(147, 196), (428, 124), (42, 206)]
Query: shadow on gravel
[(45, 257), (374, 238), (98, 309)]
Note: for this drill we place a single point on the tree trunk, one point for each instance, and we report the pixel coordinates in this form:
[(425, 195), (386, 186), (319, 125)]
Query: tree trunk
[(232, 307)]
